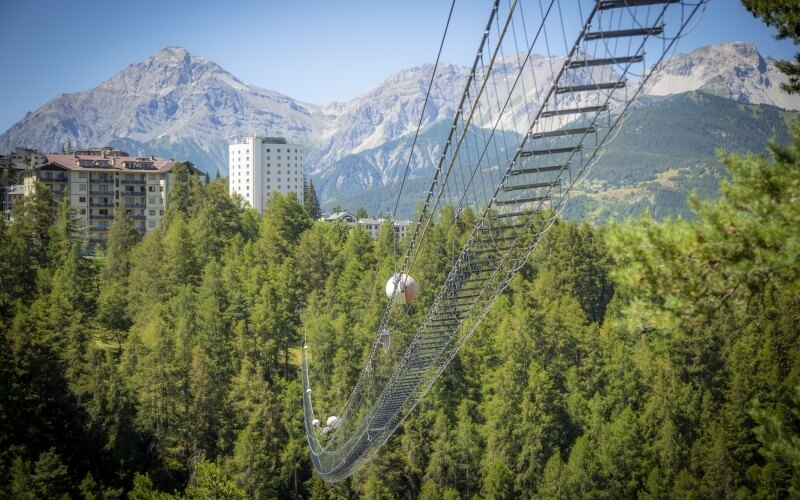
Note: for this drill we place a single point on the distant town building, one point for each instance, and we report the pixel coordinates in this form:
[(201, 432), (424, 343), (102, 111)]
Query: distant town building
[(345, 217), (100, 182), (23, 159), (371, 226), (260, 166), (10, 196)]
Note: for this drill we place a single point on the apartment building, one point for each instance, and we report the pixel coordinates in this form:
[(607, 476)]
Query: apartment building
[(23, 159), (9, 196), (259, 166), (99, 182), (370, 225)]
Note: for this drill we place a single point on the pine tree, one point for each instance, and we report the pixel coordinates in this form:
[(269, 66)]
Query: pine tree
[(209, 481), (255, 459), (498, 482), (33, 216), (122, 237), (284, 221), (112, 318), (184, 193), (311, 202), (64, 233), (217, 220)]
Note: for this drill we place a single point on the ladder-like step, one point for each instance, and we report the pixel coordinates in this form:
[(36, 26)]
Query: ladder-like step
[(613, 4), (590, 86), (551, 151), (520, 213), (485, 261), (562, 132), (503, 227), (598, 35), (522, 200), (538, 170), (443, 321), (535, 185), (605, 61), (569, 111), (494, 240), (502, 249)]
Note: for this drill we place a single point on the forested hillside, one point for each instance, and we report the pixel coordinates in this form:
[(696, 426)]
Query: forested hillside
[(659, 359), (667, 150)]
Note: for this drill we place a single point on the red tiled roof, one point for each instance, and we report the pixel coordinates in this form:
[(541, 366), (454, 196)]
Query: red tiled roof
[(116, 164)]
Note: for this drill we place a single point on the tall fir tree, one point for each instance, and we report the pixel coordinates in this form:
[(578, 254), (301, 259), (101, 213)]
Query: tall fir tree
[(311, 202)]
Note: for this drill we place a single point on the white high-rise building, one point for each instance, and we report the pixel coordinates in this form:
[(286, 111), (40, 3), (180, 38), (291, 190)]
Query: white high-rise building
[(259, 166)]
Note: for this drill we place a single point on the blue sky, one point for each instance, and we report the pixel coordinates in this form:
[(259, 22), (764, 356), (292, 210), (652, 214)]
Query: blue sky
[(316, 51)]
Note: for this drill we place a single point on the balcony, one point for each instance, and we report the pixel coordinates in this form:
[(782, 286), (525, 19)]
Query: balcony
[(137, 216), (132, 193), (57, 178), (134, 204), (102, 192), (102, 180), (99, 229), (132, 181), (101, 204), (101, 216)]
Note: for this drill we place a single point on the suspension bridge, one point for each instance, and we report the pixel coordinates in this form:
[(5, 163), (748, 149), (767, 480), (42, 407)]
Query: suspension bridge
[(549, 87)]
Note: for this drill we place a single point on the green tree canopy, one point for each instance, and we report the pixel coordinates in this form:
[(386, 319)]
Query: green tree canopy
[(784, 15)]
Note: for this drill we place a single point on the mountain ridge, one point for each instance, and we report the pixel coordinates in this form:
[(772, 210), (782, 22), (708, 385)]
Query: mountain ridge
[(177, 103), (754, 79)]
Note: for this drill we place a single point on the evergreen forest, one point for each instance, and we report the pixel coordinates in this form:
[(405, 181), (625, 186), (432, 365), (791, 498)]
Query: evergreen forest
[(657, 359)]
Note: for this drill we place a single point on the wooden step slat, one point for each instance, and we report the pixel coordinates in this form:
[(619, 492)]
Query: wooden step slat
[(562, 132), (538, 170), (591, 86), (569, 111), (550, 151), (494, 240), (521, 213), (598, 35), (613, 4), (605, 61), (535, 185), (503, 227), (522, 200)]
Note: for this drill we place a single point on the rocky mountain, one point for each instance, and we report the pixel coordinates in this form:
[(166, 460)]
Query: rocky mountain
[(733, 70), (179, 105), (173, 99)]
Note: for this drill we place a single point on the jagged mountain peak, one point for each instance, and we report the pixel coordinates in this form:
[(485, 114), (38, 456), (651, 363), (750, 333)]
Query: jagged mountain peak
[(173, 53), (173, 96), (166, 70), (391, 110), (735, 70)]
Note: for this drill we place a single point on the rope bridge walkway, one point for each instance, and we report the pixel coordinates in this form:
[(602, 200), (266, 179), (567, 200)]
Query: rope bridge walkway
[(547, 91)]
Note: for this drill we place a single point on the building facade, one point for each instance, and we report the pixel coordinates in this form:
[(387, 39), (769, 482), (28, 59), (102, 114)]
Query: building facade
[(100, 182), (14, 165), (23, 159), (259, 166), (370, 225), (9, 196)]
